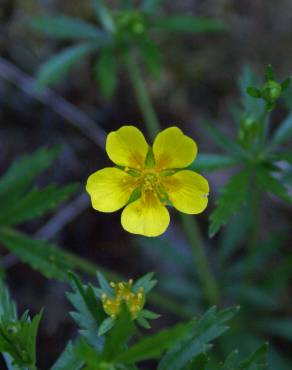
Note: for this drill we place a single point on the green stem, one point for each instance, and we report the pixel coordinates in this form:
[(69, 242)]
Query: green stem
[(190, 225), (254, 218), (143, 98), (205, 275)]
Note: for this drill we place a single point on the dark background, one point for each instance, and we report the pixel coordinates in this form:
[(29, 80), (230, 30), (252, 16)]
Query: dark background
[(199, 79)]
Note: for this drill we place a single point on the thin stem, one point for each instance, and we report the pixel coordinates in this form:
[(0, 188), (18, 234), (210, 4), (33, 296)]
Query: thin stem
[(205, 275), (190, 225), (254, 218), (143, 98)]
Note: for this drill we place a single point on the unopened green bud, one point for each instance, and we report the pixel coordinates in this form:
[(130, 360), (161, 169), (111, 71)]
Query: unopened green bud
[(271, 91)]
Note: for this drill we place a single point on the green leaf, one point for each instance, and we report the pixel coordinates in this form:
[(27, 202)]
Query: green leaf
[(256, 361), (283, 132), (208, 328), (190, 24), (150, 6), (285, 84), (151, 55), (34, 204), (23, 171), (283, 156), (253, 92), (145, 282), (233, 195), (18, 339), (105, 287), (106, 72), (105, 326), (104, 16), (212, 162), (40, 255), (271, 184), (65, 27), (56, 67), (153, 345), (221, 139), (89, 313), (69, 358), (279, 327), (117, 338)]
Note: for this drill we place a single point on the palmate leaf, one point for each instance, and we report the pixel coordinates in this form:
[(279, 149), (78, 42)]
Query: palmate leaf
[(34, 204), (22, 172), (65, 27), (89, 313), (189, 24), (40, 255), (56, 67), (208, 328), (233, 195)]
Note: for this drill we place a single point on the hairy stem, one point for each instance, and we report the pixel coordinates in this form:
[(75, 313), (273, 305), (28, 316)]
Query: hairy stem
[(205, 275), (143, 98), (190, 226)]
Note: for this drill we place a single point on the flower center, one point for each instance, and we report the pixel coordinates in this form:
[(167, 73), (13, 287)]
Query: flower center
[(150, 182)]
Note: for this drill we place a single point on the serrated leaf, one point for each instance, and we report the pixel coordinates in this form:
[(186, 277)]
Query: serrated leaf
[(40, 255), (189, 24), (153, 345), (271, 184), (34, 204), (57, 66), (106, 72), (233, 195), (69, 358), (228, 145), (255, 361), (66, 27), (89, 313), (24, 170), (212, 162), (208, 328), (105, 287), (116, 340)]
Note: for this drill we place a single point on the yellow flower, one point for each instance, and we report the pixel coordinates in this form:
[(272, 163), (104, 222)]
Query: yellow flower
[(147, 179), (123, 294)]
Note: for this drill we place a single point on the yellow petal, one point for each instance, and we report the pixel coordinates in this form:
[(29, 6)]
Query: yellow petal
[(173, 149), (146, 216), (110, 189), (187, 190), (127, 147)]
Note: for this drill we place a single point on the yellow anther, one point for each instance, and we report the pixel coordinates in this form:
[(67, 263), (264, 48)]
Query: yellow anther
[(112, 284), (103, 296), (130, 282)]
